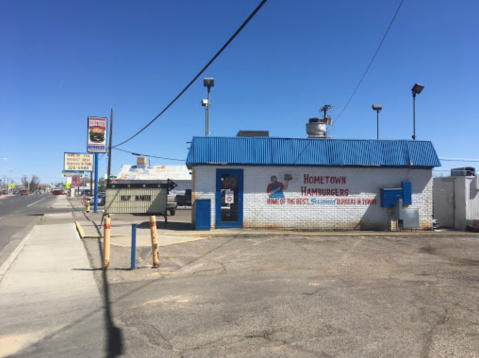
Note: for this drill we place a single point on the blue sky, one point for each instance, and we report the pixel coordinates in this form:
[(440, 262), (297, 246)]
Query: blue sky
[(62, 61)]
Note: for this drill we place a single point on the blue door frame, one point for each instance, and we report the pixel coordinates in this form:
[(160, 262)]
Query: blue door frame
[(229, 224)]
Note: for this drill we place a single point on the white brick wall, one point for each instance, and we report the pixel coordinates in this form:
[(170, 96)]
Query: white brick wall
[(328, 212)]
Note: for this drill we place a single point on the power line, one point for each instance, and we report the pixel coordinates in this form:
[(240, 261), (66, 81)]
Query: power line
[(372, 60), (199, 74), (459, 160), (147, 155)]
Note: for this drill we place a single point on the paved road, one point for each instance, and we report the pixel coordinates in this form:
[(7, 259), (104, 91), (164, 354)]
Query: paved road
[(18, 214)]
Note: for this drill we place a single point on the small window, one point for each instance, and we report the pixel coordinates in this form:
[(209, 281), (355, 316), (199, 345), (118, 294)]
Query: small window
[(125, 197), (143, 197)]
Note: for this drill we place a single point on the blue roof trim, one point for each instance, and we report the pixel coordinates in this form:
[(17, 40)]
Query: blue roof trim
[(308, 152)]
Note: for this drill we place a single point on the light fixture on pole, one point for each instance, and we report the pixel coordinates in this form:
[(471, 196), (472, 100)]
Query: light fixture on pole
[(377, 108), (416, 89), (208, 82)]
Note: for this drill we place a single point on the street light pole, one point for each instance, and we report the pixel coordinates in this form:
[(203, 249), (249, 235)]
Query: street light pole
[(204, 103), (377, 108), (377, 113), (208, 119), (414, 114), (208, 82), (416, 89)]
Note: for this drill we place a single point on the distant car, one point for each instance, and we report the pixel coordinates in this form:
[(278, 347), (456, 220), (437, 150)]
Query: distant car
[(16, 192), (101, 199), (24, 192), (57, 192)]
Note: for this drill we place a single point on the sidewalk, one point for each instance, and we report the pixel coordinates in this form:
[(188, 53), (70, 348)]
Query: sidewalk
[(61, 203), (49, 301)]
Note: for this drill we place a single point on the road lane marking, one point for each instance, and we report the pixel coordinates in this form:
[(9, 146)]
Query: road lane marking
[(35, 202)]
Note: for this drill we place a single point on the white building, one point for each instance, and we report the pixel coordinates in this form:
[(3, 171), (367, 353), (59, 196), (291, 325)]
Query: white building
[(320, 184), (142, 172)]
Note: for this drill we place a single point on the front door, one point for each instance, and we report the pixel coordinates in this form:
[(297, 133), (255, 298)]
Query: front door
[(229, 198)]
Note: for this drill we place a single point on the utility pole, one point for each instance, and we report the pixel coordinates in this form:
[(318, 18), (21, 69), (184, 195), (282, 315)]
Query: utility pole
[(109, 146)]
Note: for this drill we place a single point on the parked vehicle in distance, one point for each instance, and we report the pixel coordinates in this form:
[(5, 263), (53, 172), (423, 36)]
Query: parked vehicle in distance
[(101, 199), (57, 192), (24, 192), (184, 200), (16, 192)]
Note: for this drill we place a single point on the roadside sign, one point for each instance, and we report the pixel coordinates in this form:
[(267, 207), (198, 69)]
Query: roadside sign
[(229, 197), (96, 135), (78, 162), (75, 182), (69, 175), (12, 185), (67, 185), (73, 172), (113, 177)]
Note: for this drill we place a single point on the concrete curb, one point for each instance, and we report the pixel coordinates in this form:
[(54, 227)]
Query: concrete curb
[(245, 233), (83, 236)]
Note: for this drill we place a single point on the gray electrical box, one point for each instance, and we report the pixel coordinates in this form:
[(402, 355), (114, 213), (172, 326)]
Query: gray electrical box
[(406, 218)]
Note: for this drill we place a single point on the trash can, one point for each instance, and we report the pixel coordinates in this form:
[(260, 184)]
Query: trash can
[(203, 214)]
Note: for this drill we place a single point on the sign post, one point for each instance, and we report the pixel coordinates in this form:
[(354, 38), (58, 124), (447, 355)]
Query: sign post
[(96, 143), (95, 207)]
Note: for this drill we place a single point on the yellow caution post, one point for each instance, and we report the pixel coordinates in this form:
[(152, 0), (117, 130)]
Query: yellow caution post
[(106, 244), (154, 242)]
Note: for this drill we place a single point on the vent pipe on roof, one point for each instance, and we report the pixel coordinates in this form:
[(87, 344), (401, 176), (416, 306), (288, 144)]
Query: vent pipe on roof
[(316, 128)]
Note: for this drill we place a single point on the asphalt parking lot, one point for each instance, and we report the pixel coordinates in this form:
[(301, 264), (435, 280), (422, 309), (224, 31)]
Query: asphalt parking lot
[(298, 297)]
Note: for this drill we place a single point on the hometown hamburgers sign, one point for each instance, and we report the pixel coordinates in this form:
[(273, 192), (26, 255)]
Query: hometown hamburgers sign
[(96, 142)]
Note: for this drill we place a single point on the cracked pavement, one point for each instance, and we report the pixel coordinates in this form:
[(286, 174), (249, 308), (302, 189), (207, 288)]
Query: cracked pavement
[(298, 297)]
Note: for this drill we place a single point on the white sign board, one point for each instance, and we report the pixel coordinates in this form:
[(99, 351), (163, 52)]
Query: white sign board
[(229, 197), (96, 135), (78, 161)]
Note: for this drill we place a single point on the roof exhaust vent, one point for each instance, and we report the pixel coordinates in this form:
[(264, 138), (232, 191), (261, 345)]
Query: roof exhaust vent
[(316, 128)]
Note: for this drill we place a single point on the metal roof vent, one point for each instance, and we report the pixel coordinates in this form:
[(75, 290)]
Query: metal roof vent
[(316, 128)]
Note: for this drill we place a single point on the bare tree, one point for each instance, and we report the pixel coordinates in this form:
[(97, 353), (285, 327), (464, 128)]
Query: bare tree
[(34, 183), (31, 185), (25, 182)]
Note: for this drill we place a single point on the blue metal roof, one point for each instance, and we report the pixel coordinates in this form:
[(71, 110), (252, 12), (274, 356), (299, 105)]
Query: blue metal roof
[(312, 152)]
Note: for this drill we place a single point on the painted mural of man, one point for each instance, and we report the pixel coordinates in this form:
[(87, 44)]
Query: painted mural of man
[(275, 188)]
